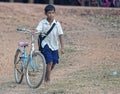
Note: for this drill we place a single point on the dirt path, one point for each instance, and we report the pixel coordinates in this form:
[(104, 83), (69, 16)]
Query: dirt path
[(91, 49)]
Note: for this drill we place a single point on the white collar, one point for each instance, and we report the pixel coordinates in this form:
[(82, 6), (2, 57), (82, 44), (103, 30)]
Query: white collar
[(46, 21)]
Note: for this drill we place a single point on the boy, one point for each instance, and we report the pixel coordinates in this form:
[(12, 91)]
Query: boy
[(50, 44)]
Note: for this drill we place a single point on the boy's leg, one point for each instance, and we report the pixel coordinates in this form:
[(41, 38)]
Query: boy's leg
[(51, 58), (52, 67), (48, 72), (55, 58)]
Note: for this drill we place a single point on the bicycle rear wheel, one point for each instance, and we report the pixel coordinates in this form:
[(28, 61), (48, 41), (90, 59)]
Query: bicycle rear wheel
[(18, 68), (35, 70)]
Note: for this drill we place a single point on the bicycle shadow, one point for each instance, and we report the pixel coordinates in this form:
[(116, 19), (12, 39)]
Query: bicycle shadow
[(12, 85)]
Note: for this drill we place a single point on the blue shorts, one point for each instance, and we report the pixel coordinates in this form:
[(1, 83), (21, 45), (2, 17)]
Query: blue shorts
[(50, 56)]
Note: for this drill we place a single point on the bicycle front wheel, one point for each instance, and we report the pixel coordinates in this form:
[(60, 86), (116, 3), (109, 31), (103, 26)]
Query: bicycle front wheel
[(35, 70), (18, 68)]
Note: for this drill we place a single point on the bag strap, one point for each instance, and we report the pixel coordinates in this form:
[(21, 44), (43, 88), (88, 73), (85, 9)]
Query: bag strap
[(49, 31)]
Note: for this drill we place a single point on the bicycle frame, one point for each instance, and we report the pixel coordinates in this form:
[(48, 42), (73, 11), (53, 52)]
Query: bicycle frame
[(28, 58), (24, 56)]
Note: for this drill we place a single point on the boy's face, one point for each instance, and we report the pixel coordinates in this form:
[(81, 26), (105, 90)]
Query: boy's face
[(50, 15)]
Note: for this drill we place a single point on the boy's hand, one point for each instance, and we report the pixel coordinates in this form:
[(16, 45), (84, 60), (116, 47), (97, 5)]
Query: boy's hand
[(33, 30), (61, 42), (62, 51)]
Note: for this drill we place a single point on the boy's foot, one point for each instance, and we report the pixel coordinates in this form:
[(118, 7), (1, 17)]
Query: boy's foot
[(47, 82)]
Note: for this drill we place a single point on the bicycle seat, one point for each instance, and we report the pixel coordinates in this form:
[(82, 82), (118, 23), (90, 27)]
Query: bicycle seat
[(22, 44)]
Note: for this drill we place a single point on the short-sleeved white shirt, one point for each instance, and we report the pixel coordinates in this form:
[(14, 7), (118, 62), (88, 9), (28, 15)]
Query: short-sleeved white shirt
[(52, 39)]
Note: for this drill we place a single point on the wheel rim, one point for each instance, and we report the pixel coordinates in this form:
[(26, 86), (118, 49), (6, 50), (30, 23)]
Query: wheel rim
[(35, 71), (18, 68)]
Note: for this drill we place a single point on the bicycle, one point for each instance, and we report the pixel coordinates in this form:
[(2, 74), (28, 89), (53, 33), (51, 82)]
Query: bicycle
[(32, 65)]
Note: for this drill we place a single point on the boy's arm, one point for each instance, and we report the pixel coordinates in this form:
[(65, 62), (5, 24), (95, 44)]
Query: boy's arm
[(39, 27), (61, 43)]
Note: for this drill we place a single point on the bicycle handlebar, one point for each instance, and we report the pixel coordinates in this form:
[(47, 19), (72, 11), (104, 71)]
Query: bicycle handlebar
[(33, 35), (26, 30), (20, 29)]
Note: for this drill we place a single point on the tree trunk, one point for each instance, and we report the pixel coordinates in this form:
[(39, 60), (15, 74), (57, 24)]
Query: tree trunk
[(31, 1), (51, 1), (11, 0)]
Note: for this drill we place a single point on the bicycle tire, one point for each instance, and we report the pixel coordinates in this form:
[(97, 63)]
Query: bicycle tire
[(35, 72), (18, 68)]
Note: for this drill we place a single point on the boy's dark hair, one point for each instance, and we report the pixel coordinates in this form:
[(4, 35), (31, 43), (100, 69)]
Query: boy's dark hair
[(49, 8)]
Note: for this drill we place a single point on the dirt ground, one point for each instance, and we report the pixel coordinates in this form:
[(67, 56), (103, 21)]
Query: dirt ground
[(92, 45)]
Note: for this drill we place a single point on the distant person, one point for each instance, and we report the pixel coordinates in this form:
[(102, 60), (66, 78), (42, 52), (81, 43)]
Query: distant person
[(79, 2), (99, 3), (106, 3), (50, 45), (112, 3)]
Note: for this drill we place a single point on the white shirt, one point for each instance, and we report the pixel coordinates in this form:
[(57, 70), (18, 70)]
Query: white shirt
[(52, 40)]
